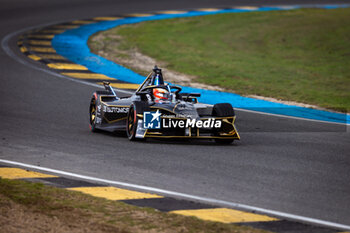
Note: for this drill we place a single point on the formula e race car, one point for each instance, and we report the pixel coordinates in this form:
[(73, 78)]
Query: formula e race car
[(160, 110)]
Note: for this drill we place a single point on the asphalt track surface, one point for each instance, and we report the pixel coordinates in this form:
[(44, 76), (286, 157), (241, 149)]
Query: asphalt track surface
[(294, 166)]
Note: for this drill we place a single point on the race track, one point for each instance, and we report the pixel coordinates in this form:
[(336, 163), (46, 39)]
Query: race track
[(294, 166)]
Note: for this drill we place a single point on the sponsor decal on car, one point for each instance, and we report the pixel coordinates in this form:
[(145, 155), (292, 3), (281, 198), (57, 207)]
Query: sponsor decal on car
[(119, 109), (153, 120), (115, 109)]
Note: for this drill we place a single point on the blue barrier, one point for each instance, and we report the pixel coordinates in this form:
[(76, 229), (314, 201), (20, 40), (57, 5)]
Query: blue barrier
[(72, 44)]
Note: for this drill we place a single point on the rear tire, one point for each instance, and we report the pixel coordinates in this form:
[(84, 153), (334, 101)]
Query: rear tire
[(223, 110), (93, 113), (93, 109)]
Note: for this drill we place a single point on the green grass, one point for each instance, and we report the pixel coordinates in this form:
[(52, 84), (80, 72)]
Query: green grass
[(299, 55), (39, 208)]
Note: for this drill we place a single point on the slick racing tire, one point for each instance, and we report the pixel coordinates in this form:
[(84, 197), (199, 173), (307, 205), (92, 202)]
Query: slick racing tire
[(93, 109), (93, 112), (223, 110), (132, 120)]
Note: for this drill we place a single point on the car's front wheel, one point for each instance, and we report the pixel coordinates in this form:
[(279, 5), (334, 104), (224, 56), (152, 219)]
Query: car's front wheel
[(137, 107), (132, 123)]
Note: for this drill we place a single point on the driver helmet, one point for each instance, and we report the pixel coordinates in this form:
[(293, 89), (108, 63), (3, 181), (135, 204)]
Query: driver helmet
[(160, 94)]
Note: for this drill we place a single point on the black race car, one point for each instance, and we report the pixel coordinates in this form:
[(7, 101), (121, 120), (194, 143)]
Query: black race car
[(160, 110)]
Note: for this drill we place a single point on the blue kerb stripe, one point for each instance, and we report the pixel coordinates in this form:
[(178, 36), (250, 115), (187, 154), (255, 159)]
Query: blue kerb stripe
[(72, 44)]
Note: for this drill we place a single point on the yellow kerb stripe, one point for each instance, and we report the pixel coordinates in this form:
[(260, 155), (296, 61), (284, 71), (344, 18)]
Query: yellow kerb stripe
[(172, 12), (41, 36), (113, 193), (40, 42), (17, 173), (65, 66), (88, 76), (106, 18), (23, 49), (124, 85), (51, 56), (139, 15), (225, 215), (42, 50), (34, 57)]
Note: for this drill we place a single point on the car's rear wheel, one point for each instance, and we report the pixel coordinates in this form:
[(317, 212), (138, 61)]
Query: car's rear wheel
[(223, 110), (93, 113)]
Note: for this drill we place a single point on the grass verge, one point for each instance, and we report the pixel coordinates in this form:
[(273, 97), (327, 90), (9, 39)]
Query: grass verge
[(298, 55), (33, 207)]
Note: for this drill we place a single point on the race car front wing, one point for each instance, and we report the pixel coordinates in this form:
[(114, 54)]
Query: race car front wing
[(227, 129)]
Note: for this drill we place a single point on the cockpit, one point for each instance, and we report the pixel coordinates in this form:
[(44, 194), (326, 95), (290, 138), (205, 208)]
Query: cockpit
[(154, 89)]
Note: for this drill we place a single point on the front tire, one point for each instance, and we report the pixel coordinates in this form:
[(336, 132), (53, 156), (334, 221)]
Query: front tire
[(137, 107), (131, 123)]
